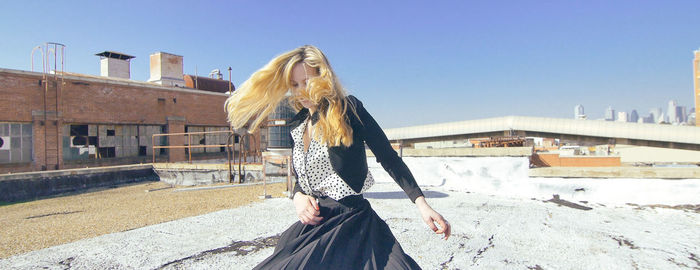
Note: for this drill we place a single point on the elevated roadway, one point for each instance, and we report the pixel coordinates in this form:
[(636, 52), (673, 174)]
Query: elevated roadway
[(581, 132)]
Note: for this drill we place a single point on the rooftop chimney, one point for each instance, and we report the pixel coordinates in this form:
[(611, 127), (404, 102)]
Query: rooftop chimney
[(114, 64), (166, 69)]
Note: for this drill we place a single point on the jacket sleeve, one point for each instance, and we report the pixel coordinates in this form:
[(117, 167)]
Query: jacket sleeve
[(297, 187), (385, 154)]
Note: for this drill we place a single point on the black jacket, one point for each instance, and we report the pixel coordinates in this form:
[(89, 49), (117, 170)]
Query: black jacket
[(350, 163)]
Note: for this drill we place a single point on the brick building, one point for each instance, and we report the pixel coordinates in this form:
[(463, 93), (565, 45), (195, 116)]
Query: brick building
[(59, 120)]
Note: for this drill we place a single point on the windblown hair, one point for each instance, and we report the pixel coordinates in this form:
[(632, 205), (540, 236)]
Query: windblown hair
[(258, 96)]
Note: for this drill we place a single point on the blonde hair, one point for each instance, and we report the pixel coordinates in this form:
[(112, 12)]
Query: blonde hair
[(258, 96)]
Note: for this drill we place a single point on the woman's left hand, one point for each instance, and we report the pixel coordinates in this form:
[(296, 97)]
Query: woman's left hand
[(431, 217)]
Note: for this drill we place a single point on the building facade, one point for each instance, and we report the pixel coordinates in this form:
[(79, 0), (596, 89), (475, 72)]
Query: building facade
[(60, 120)]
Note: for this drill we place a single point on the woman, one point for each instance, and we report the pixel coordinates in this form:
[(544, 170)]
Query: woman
[(337, 228)]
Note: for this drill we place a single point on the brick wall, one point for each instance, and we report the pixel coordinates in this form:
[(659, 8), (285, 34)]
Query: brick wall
[(97, 100), (590, 161), (554, 160), (545, 160)]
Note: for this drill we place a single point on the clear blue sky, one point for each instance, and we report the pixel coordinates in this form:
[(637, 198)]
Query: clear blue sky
[(411, 62)]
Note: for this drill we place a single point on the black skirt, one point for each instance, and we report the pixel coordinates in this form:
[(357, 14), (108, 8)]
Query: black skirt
[(350, 236)]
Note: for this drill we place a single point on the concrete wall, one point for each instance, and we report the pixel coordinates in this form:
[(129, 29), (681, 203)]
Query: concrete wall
[(645, 154), (184, 174), (34, 185), (112, 67), (616, 172), (167, 69)]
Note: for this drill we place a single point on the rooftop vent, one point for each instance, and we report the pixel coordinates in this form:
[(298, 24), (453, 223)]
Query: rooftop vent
[(115, 64), (166, 69)]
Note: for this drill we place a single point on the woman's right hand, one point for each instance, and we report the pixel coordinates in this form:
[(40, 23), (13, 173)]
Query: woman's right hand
[(307, 209)]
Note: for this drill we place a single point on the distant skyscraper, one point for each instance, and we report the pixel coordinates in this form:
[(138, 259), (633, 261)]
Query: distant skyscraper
[(696, 82), (656, 116), (672, 112), (622, 116), (578, 112), (692, 116), (682, 115), (634, 116), (609, 114)]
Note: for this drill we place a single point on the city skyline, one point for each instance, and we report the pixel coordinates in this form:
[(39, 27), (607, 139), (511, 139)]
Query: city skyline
[(658, 113), (410, 63)]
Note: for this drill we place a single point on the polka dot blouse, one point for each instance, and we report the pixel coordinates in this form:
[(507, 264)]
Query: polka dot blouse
[(314, 170)]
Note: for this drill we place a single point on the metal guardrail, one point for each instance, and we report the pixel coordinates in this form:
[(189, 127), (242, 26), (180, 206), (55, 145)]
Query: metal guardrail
[(230, 151), (282, 159)]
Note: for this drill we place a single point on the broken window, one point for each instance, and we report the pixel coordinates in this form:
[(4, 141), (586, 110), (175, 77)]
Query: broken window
[(92, 141), (106, 152), (210, 142), (15, 142), (78, 130)]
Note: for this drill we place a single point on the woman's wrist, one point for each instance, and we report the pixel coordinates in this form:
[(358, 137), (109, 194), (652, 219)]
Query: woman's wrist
[(421, 202)]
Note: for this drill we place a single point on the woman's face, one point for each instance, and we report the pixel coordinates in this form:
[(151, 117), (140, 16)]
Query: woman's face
[(300, 73)]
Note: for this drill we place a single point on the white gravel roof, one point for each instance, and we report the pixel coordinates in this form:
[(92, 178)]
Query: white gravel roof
[(491, 230)]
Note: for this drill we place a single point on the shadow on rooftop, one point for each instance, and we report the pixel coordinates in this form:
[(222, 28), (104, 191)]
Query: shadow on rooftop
[(401, 195)]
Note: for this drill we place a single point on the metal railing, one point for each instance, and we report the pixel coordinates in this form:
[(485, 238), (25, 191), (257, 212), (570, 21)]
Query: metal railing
[(283, 160), (243, 154)]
